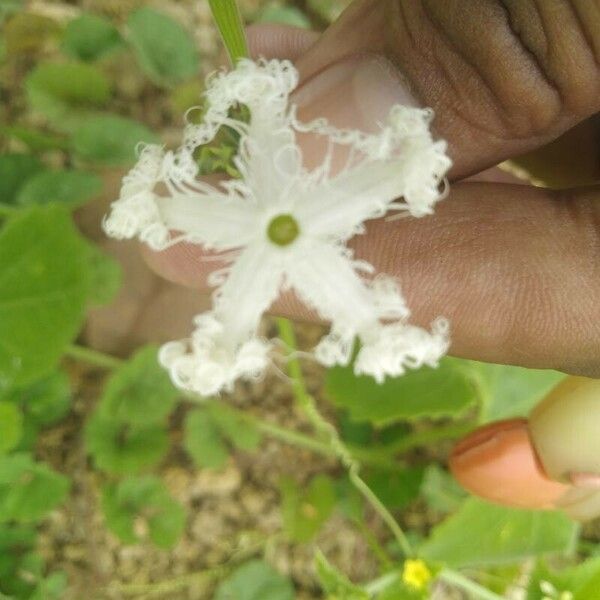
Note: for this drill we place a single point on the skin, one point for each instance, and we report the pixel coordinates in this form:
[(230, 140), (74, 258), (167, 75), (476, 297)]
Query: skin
[(516, 269)]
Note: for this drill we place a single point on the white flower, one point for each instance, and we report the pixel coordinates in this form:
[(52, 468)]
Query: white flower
[(285, 227)]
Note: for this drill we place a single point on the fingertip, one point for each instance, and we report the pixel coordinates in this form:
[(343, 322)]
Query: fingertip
[(184, 264), (498, 463), (274, 40)]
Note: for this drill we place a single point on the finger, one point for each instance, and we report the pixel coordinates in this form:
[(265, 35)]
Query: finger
[(550, 460), (269, 40), (515, 269), (502, 77), (498, 462)]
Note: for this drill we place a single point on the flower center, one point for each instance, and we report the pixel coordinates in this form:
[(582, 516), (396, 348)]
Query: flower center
[(283, 230)]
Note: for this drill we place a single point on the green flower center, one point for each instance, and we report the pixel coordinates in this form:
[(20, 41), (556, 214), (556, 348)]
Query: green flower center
[(283, 230)]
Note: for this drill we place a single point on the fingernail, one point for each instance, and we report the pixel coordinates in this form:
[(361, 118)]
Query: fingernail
[(356, 93), (581, 503), (499, 463), (585, 480)]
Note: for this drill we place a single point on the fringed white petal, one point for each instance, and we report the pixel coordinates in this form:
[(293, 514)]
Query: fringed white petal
[(217, 218), (135, 213), (326, 277), (388, 299), (401, 161), (225, 345), (252, 284), (270, 163), (263, 86), (335, 348), (217, 223), (389, 350), (201, 364)]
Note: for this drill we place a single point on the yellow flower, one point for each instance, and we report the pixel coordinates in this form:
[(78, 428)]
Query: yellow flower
[(416, 574)]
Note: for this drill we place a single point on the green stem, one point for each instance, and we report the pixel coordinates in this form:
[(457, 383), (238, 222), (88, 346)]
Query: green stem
[(93, 357), (289, 436), (307, 403), (458, 580), (229, 22), (170, 586)]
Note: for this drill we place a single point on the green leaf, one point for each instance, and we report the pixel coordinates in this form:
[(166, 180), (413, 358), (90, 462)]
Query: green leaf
[(396, 489), (139, 392), (441, 491), (65, 93), (52, 587), (145, 500), (286, 15), (203, 441), (514, 391), (110, 140), (106, 276), (44, 402), (240, 432), (16, 544), (358, 433), (29, 438), (445, 391), (28, 490), (10, 7), (164, 49), (42, 299), (15, 171), (305, 511), (120, 448), (120, 513), (497, 535), (256, 580), (71, 188), (335, 583), (581, 581), (11, 426), (35, 140), (166, 522), (89, 37), (397, 590)]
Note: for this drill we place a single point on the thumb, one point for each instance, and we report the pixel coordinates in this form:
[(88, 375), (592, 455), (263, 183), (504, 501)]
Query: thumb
[(354, 93), (502, 78)]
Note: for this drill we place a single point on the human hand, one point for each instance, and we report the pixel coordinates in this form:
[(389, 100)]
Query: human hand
[(514, 268)]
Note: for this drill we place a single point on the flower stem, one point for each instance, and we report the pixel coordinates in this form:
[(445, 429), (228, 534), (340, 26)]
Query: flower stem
[(93, 357), (468, 585), (229, 22), (307, 403)]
